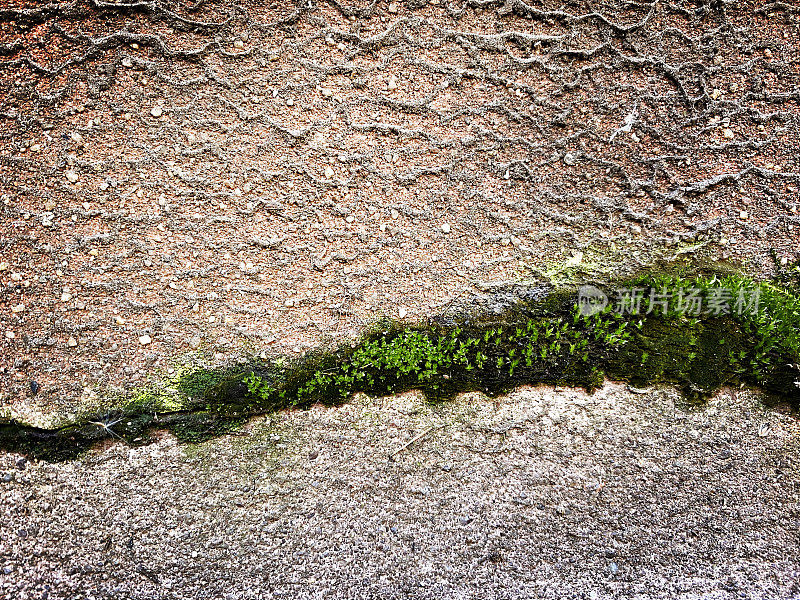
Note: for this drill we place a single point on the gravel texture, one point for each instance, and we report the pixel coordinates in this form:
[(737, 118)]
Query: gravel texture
[(232, 178), (541, 494)]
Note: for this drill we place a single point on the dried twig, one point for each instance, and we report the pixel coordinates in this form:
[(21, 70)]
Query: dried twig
[(417, 437)]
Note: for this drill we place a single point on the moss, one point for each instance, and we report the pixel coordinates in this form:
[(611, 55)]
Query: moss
[(546, 342)]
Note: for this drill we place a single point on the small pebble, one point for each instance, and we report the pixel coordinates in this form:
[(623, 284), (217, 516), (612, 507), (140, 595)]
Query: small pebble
[(329, 172), (728, 134), (238, 44), (744, 215), (327, 92), (156, 111), (392, 83), (144, 340), (71, 176), (393, 7), (446, 228), (10, 335), (401, 312), (72, 342)]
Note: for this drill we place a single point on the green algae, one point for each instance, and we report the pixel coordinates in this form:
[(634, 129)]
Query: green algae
[(551, 341)]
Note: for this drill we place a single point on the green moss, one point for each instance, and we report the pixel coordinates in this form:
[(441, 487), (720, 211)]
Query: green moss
[(546, 342)]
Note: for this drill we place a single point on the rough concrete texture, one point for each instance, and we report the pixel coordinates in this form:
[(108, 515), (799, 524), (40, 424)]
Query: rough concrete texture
[(231, 178), (541, 494), (184, 181)]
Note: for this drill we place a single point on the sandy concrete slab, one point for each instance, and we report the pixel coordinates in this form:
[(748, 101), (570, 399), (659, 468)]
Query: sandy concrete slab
[(540, 494)]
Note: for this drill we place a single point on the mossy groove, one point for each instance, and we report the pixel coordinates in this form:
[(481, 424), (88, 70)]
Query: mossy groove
[(550, 341)]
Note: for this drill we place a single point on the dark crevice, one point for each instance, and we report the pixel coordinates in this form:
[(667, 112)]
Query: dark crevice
[(751, 338)]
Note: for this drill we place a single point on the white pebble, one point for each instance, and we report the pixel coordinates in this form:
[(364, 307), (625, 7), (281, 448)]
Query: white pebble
[(71, 176), (144, 340), (401, 312), (72, 342), (156, 111), (446, 228)]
